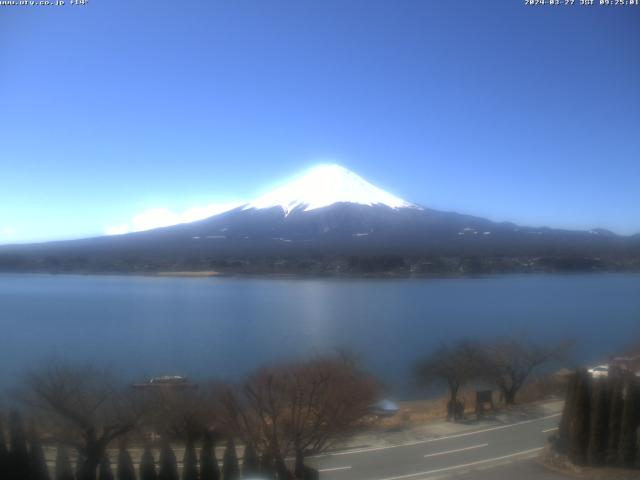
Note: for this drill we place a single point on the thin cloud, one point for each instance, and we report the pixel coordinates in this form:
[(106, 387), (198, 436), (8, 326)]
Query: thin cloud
[(164, 217), (8, 231)]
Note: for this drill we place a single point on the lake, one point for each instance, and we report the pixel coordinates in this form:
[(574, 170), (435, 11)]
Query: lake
[(225, 327)]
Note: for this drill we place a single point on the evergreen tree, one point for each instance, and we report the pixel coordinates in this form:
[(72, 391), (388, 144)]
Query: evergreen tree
[(148, 465), (209, 469), (628, 447), (250, 462), (125, 466), (63, 469), (579, 423), (4, 454), (190, 461), (616, 404), (267, 466), (38, 467), (80, 460), (168, 464), (599, 422), (104, 470), (19, 453), (230, 466), (567, 414), (299, 467), (281, 469)]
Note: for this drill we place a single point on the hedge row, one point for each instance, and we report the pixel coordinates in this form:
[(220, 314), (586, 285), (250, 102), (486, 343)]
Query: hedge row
[(22, 458), (601, 419)]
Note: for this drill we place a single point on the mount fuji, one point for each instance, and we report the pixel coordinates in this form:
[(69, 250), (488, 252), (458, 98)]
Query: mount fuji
[(326, 185), (332, 221)]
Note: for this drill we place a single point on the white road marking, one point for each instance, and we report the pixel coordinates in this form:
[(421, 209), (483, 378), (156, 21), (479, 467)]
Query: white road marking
[(482, 445), (465, 465), (430, 440), (549, 430), (334, 469)]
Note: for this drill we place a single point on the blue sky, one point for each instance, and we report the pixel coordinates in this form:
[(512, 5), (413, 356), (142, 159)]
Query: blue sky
[(527, 114)]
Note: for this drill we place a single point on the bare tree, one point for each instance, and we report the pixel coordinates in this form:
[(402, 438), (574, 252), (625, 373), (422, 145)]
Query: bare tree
[(453, 365), (508, 362), (82, 409), (299, 408)]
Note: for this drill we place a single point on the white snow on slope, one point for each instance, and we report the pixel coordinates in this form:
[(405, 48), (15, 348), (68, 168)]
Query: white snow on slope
[(325, 185)]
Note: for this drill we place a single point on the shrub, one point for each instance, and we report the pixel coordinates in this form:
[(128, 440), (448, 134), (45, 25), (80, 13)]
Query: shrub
[(599, 422), (38, 466), (80, 466), (168, 464), (19, 453), (579, 422), (104, 470), (190, 461), (125, 466), (616, 404), (4, 454), (230, 467), (567, 414), (63, 469), (209, 469), (630, 418), (147, 465), (266, 467), (250, 463)]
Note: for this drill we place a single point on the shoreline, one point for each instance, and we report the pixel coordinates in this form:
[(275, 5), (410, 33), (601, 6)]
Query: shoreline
[(204, 273), (320, 276)]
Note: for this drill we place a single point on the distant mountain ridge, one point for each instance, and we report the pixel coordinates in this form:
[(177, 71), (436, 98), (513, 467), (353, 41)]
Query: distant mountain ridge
[(331, 221)]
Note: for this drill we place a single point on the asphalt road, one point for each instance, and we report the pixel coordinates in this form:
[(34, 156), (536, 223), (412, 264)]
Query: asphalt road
[(497, 452)]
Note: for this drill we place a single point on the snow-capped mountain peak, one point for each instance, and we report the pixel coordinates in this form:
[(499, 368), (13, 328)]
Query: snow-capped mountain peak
[(325, 185)]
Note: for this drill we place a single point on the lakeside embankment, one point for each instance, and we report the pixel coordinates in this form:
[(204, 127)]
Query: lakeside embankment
[(203, 273)]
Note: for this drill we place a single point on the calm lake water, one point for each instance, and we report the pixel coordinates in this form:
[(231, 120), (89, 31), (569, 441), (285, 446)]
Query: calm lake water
[(225, 327)]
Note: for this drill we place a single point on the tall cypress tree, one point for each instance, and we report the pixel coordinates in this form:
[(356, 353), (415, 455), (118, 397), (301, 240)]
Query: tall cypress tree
[(250, 462), (63, 469), (80, 466), (168, 464), (125, 465), (190, 461), (209, 469), (4, 454), (616, 404), (299, 466), (579, 423), (567, 414), (19, 453), (230, 466), (148, 465), (104, 470), (599, 422), (267, 468), (628, 447), (281, 468), (38, 466)]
